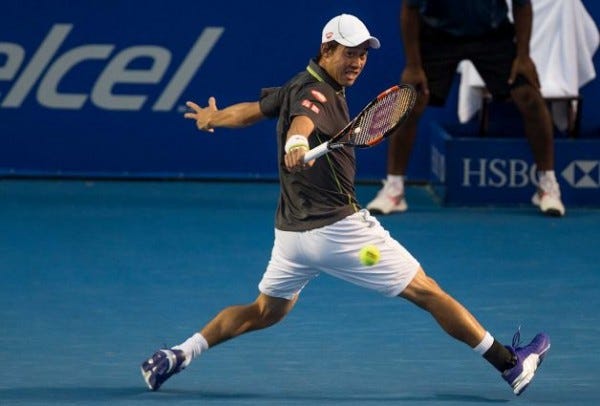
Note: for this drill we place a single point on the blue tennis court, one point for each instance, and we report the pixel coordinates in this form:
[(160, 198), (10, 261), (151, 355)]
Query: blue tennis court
[(97, 275)]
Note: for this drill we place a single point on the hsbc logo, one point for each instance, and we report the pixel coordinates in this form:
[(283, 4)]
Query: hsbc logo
[(583, 174), (517, 173), (498, 173), (43, 73)]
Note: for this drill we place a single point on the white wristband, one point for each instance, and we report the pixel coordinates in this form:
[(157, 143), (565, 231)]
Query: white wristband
[(296, 141)]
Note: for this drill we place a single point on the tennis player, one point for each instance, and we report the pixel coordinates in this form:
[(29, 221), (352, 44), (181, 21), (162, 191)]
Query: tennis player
[(319, 224)]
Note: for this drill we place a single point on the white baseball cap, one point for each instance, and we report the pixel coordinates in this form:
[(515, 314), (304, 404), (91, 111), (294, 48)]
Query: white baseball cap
[(349, 31)]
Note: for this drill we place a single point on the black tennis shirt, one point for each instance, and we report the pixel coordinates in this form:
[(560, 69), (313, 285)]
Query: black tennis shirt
[(324, 193)]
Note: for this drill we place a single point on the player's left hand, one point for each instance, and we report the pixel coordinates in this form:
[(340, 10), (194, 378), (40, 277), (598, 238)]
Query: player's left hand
[(202, 115)]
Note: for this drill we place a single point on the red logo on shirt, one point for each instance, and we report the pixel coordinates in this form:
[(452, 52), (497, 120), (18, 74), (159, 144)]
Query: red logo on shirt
[(319, 96), (309, 105)]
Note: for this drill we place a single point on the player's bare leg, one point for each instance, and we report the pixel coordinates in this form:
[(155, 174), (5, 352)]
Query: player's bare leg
[(517, 364), (235, 320), (456, 320), (229, 323), (453, 317)]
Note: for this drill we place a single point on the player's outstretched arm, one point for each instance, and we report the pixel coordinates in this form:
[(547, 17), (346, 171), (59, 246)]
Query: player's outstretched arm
[(210, 117)]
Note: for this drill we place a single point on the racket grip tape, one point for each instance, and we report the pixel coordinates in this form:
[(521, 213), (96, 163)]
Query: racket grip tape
[(316, 152)]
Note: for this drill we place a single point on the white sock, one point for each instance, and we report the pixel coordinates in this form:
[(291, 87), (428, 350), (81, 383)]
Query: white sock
[(547, 176), (396, 182), (395, 178), (485, 344), (192, 347), (547, 181)]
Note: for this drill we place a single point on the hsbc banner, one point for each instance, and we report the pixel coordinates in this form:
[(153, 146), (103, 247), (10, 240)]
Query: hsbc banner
[(99, 87), (501, 170)]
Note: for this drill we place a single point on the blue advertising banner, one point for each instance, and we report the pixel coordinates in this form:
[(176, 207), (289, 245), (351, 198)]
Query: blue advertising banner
[(474, 171), (99, 87)]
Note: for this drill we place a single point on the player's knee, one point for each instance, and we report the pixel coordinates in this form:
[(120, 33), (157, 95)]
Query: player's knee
[(528, 99), (272, 311), (268, 317), (423, 290)]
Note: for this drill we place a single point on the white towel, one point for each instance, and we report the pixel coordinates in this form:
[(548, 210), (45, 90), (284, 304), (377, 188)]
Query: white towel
[(563, 41)]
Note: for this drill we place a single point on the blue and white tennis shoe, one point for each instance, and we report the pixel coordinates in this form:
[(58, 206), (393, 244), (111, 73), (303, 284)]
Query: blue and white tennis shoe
[(161, 366), (528, 359)]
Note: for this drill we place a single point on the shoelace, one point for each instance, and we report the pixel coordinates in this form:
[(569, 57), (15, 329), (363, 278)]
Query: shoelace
[(517, 338)]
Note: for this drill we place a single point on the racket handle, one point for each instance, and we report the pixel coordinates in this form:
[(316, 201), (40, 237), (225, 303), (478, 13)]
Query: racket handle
[(316, 152)]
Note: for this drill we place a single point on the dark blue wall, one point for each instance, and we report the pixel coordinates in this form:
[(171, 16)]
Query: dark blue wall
[(57, 121)]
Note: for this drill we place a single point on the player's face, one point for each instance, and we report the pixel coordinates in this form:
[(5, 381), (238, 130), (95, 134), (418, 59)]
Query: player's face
[(345, 64)]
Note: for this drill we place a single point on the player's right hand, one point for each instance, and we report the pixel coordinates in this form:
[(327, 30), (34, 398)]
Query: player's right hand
[(294, 160)]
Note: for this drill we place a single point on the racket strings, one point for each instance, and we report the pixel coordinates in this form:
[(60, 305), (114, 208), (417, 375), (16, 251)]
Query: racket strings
[(383, 115)]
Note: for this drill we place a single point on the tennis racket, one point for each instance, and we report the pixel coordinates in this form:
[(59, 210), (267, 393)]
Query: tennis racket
[(375, 122)]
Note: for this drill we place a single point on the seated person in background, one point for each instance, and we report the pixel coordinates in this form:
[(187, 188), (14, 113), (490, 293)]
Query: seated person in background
[(437, 35)]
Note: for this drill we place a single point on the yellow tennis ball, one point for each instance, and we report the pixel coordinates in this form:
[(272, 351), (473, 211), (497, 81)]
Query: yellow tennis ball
[(369, 255)]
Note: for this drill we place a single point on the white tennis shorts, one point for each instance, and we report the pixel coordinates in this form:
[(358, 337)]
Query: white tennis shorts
[(298, 257)]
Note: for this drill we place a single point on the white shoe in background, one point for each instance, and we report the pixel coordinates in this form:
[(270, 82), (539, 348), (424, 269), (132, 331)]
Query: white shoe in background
[(389, 199), (547, 198)]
